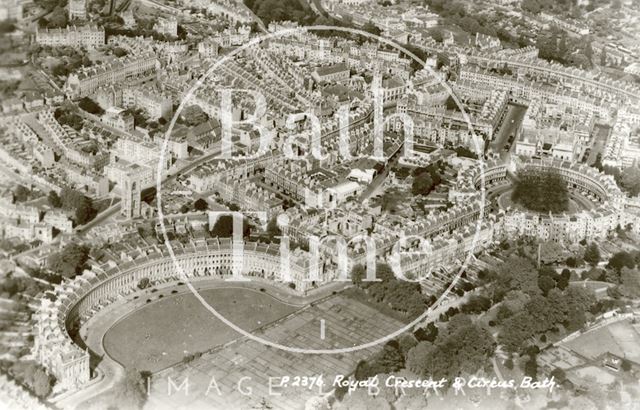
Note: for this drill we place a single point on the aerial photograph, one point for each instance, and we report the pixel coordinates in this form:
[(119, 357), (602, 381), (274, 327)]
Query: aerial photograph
[(319, 204)]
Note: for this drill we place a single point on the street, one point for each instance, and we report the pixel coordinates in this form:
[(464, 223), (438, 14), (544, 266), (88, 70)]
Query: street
[(508, 127), (600, 135)]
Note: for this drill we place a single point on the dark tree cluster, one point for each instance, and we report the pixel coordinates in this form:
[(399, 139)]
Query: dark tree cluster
[(536, 6), (462, 347), (425, 179), (31, 375), (402, 296), (281, 10), (557, 46), (67, 115), (390, 359), (465, 152), (476, 304), (457, 13), (541, 191), (70, 261), (545, 313), (131, 392), (82, 205), (90, 106)]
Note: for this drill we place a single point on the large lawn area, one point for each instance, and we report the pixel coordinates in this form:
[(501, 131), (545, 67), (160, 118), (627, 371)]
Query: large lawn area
[(163, 332)]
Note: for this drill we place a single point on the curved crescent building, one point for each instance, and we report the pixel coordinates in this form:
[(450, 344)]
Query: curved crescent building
[(589, 225), (74, 302)]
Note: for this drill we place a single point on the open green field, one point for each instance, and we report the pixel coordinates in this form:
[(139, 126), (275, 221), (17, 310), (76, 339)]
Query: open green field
[(163, 332)]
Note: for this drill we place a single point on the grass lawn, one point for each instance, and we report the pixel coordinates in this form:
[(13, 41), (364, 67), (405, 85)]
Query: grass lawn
[(163, 332)]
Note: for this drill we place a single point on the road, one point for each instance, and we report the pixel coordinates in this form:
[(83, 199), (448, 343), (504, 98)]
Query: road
[(508, 127), (600, 135)]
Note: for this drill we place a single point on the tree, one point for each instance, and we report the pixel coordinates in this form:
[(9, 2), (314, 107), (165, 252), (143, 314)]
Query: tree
[(85, 211), (428, 333), (90, 106), (143, 283), (371, 28), (21, 193), (73, 200), (422, 184), (630, 180), (588, 51), (41, 383), (620, 260), (131, 392), (419, 355), (7, 27), (625, 365), (200, 205), (406, 342), (463, 348), (54, 199), (33, 376), (593, 274), (515, 273), (541, 191), (388, 360), (531, 367), (193, 115), (273, 229), (592, 254), (559, 374), (58, 18), (476, 304), (509, 363), (546, 283), (70, 261), (119, 52), (603, 57)]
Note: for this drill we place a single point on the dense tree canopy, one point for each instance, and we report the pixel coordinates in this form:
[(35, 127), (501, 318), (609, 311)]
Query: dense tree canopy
[(70, 261), (400, 295), (542, 314), (33, 376), (463, 347), (200, 205), (620, 260), (541, 192), (592, 254), (82, 205), (90, 106), (131, 392)]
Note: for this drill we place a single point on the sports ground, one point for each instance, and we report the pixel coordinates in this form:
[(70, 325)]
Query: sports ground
[(162, 333), (620, 338)]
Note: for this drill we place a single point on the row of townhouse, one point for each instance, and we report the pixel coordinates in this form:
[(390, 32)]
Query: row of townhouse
[(623, 145), (524, 89), (87, 80), (249, 196), (74, 36), (589, 83)]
